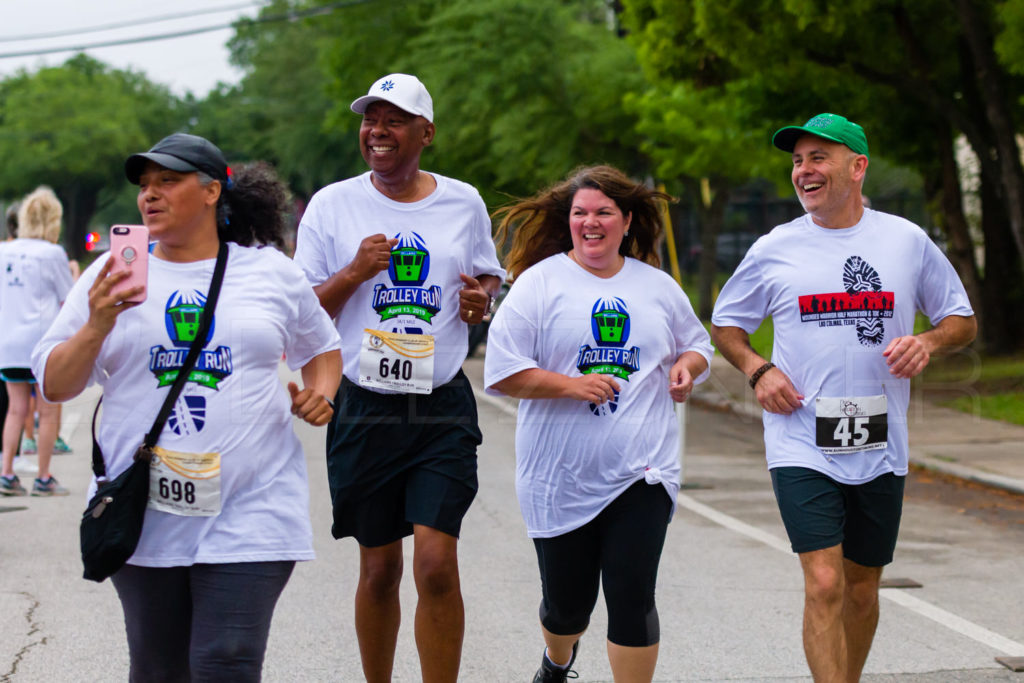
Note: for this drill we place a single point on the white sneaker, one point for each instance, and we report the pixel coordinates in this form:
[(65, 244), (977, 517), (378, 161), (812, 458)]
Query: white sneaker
[(25, 465)]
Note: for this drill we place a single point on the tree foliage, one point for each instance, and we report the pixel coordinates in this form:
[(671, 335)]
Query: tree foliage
[(916, 75), (523, 89), (526, 90), (291, 107), (72, 126)]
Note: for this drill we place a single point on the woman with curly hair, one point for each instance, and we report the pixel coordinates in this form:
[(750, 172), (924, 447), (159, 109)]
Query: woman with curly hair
[(35, 281), (598, 343), (217, 549)]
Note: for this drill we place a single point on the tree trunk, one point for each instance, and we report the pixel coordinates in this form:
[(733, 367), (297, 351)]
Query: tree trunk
[(1003, 286), (960, 248), (79, 206), (711, 217), (989, 78)]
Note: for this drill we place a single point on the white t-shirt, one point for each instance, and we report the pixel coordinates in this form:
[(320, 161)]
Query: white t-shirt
[(573, 458), (234, 404), (837, 298), (441, 236), (35, 281)]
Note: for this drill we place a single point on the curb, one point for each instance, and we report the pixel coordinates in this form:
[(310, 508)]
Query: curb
[(713, 400), (996, 481)]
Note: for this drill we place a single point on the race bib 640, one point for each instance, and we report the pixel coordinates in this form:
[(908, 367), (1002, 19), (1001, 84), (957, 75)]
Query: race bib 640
[(397, 362)]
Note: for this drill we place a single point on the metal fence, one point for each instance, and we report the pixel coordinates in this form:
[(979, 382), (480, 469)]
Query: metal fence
[(754, 210)]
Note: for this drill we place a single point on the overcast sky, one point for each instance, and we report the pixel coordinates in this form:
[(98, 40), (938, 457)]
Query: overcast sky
[(192, 63)]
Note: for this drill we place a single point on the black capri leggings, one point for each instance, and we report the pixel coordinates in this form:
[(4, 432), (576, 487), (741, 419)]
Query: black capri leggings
[(621, 547), (204, 623)]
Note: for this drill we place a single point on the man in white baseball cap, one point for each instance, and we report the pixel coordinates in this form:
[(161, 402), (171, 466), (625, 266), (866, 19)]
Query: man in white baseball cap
[(402, 90), (403, 260)]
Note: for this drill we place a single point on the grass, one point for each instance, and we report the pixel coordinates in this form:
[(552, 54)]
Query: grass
[(762, 338), (989, 386), (1008, 407), (968, 366)]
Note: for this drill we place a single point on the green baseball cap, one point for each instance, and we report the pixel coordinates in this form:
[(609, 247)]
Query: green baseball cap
[(829, 126)]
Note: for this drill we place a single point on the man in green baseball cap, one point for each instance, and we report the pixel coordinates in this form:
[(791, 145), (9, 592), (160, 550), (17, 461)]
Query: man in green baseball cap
[(842, 284), (829, 126), (830, 161)]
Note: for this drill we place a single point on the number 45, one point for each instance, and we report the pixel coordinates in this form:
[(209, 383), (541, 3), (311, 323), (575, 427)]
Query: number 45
[(859, 434)]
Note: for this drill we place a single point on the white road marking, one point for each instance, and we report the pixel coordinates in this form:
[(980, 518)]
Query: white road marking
[(940, 616), (953, 622), (734, 524)]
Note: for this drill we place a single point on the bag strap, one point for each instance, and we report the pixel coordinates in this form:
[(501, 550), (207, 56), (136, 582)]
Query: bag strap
[(194, 349), (99, 468)]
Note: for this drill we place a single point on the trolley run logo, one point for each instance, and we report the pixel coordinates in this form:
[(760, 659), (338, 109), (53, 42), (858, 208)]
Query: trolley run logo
[(609, 323), (408, 270), (181, 319)]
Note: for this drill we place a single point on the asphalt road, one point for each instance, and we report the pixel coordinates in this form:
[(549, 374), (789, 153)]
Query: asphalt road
[(730, 594)]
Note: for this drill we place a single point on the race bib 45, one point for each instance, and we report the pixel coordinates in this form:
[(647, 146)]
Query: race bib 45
[(851, 424)]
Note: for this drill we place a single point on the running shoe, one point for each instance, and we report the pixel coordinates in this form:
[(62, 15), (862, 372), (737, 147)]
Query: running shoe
[(61, 448), (549, 673), (28, 446), (24, 465), (48, 487), (11, 486)]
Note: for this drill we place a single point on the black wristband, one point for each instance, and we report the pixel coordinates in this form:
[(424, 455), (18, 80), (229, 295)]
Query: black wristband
[(759, 372)]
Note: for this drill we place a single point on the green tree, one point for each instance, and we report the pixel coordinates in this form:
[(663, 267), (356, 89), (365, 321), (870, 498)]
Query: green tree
[(71, 127), (705, 161), (523, 89), (915, 79), (526, 90), (292, 106)]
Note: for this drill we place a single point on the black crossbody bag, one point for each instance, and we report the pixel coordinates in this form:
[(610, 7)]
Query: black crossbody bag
[(112, 521)]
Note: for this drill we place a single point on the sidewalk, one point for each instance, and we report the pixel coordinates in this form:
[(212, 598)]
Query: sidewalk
[(959, 444)]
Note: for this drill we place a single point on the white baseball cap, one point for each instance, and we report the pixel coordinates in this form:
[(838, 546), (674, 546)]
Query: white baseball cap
[(402, 90)]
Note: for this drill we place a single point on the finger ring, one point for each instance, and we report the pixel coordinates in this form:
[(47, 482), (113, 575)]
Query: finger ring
[(469, 313)]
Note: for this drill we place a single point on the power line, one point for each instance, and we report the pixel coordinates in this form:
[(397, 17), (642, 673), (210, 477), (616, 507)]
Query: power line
[(127, 24), (290, 16)]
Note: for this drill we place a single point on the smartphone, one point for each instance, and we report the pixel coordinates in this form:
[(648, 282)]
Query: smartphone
[(129, 250)]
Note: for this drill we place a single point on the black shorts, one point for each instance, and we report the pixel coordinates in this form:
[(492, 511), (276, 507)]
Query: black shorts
[(395, 460), (819, 513), (19, 375)]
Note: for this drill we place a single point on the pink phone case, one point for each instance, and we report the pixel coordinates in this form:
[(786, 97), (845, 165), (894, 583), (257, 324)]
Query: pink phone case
[(129, 250)]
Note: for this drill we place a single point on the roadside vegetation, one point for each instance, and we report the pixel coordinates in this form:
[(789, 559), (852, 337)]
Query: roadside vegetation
[(990, 386)]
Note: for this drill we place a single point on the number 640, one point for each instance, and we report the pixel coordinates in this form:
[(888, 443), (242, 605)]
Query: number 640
[(398, 368)]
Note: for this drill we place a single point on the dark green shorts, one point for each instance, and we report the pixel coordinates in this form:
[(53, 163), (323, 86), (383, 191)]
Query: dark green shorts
[(395, 460), (819, 513)]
